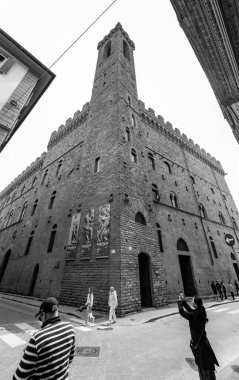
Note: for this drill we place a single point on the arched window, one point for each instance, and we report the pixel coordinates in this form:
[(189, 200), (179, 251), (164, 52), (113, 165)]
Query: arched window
[(127, 134), (44, 177), (58, 169), (53, 196), (33, 181), (107, 50), (202, 210), (52, 238), (192, 179), (126, 50), (182, 245), (129, 100), (234, 223), (221, 218), (151, 160), (167, 167), (212, 190), (213, 247), (23, 210), (97, 165), (133, 156), (9, 219), (133, 120), (29, 243), (159, 237), (174, 200), (34, 207), (139, 218), (155, 192)]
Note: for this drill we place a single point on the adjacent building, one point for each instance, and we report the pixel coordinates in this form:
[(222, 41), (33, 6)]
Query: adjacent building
[(212, 28), (23, 80), (120, 198)]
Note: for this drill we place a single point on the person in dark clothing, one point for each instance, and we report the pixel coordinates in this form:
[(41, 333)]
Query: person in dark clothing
[(204, 355), (219, 289), (224, 289), (214, 289), (236, 286), (231, 290)]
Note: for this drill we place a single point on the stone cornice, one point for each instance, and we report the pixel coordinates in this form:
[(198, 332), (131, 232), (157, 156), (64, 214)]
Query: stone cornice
[(148, 116), (117, 28)]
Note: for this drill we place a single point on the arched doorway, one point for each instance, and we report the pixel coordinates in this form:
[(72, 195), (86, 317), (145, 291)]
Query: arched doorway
[(4, 264), (145, 280), (33, 280)]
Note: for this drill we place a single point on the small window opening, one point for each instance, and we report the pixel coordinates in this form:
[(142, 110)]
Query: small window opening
[(97, 165), (133, 120), (127, 134), (29, 243), (159, 237), (155, 192), (126, 50), (167, 167), (52, 238), (53, 196), (107, 50), (213, 247), (133, 156), (151, 160), (139, 218)]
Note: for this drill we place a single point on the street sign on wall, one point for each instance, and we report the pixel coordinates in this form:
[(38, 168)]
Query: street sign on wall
[(229, 239)]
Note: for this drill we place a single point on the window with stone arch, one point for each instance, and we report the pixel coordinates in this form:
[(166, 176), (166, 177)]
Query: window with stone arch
[(52, 238), (58, 169), (127, 134), (139, 218), (133, 121), (182, 245), (151, 160), (23, 211), (107, 50), (133, 156), (44, 177), (34, 207), (167, 167), (9, 219), (174, 200), (126, 50), (234, 223), (213, 247), (202, 210), (221, 218), (52, 199), (29, 243), (159, 237), (155, 192), (33, 181)]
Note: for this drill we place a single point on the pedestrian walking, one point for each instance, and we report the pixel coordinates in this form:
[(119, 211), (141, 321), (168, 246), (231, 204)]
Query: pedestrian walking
[(214, 289), (219, 289), (203, 353), (51, 349), (113, 303), (89, 305), (224, 289), (236, 286), (231, 290)]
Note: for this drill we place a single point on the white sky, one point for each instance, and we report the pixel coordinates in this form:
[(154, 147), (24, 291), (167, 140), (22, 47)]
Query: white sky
[(170, 80)]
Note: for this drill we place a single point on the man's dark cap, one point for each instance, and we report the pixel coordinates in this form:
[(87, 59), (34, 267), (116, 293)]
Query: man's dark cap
[(49, 305)]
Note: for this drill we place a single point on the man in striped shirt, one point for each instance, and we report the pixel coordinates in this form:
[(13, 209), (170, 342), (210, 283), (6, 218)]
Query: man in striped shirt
[(51, 349)]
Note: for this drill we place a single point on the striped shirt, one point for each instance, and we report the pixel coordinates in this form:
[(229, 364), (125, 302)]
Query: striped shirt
[(48, 353)]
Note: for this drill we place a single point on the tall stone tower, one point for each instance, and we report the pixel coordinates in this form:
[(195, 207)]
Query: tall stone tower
[(127, 255)]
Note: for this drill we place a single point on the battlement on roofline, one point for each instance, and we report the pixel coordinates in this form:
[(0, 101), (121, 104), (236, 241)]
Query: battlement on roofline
[(117, 27), (158, 123)]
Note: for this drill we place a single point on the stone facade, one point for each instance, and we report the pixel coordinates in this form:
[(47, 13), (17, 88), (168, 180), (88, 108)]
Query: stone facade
[(121, 199)]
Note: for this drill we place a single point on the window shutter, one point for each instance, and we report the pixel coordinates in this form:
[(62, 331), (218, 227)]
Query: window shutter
[(7, 65)]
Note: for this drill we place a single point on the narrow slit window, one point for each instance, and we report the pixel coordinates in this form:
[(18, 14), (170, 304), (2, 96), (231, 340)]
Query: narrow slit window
[(52, 238), (97, 165), (52, 199)]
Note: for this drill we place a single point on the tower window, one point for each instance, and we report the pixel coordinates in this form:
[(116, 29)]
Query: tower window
[(107, 50), (53, 196), (33, 181), (127, 134), (97, 165), (159, 237), (58, 169), (29, 243), (167, 167), (174, 200), (34, 207), (139, 218), (52, 238), (155, 192), (126, 50), (133, 156), (133, 122), (213, 247), (151, 160)]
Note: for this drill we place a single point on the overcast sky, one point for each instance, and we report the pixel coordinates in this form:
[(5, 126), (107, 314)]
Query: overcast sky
[(169, 78)]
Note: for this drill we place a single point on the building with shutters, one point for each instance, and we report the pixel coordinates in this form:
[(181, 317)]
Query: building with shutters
[(120, 198), (23, 80)]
